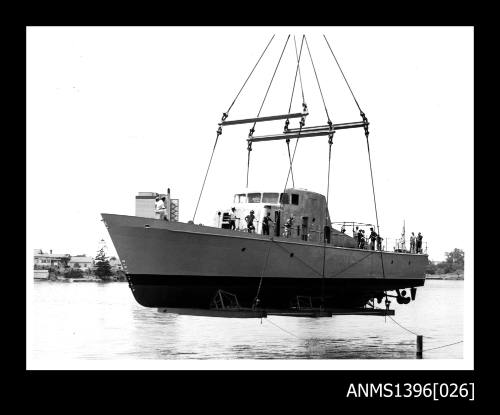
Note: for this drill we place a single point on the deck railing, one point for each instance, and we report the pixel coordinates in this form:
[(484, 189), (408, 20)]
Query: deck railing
[(296, 232)]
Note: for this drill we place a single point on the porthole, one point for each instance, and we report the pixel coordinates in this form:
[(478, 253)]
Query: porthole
[(243, 249), (409, 262), (392, 261), (291, 254)]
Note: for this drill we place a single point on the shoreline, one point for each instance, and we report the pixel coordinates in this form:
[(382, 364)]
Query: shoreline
[(451, 276)]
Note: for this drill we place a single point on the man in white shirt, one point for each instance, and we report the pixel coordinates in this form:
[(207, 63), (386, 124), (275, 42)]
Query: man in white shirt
[(232, 219), (160, 209), (157, 207)]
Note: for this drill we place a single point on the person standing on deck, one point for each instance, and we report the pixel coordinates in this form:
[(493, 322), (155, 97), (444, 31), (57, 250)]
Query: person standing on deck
[(412, 243), (359, 236), (362, 240), (265, 223), (249, 219), (419, 243), (288, 226), (373, 238), (379, 242), (232, 219), (162, 209), (158, 204)]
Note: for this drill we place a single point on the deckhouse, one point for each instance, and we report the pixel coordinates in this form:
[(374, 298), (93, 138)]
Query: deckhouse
[(307, 209)]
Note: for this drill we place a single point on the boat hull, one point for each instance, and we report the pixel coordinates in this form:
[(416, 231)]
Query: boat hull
[(183, 266)]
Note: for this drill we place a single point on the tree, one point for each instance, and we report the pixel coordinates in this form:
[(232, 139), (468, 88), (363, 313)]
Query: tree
[(455, 259), (102, 265), (74, 273)]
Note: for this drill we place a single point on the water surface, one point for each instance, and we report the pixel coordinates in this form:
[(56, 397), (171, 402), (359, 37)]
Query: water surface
[(103, 321)]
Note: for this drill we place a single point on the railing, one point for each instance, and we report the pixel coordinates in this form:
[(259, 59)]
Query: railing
[(297, 232)]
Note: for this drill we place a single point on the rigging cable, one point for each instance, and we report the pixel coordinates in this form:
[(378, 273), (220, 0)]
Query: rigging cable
[(330, 141), (365, 120), (252, 130), (238, 94), (304, 106), (342, 72), (219, 131), (256, 300), (317, 80)]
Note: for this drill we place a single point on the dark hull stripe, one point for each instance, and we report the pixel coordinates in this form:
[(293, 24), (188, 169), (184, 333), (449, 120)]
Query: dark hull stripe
[(197, 291)]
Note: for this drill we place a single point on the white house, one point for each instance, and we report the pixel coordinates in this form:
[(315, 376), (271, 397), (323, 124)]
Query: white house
[(82, 262)]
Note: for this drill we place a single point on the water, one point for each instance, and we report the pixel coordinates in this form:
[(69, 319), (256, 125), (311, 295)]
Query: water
[(103, 321)]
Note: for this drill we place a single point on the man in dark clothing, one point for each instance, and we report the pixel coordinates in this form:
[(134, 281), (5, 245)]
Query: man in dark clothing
[(373, 238), (265, 223), (419, 243), (379, 243), (360, 236), (249, 219)]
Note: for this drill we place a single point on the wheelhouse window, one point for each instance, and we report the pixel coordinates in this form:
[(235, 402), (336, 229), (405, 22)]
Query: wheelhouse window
[(254, 197), (240, 198), (284, 199), (295, 199), (270, 198)]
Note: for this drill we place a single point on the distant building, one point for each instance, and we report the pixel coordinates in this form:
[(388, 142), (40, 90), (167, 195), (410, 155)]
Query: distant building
[(82, 262), (44, 260), (145, 205)]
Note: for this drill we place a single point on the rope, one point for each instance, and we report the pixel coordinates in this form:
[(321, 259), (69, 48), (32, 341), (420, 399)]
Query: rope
[(281, 328), (296, 72), (252, 130), (300, 76), (317, 80), (330, 142), (412, 332), (290, 159), (404, 328), (342, 72), (440, 347), (262, 275), (224, 116), (231, 106), (302, 91), (219, 132), (272, 78)]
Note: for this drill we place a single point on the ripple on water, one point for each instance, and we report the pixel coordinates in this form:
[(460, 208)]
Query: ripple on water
[(103, 321)]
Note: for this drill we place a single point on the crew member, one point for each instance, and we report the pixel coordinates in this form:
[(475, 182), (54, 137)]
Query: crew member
[(265, 223), (419, 243), (288, 226), (157, 206), (373, 238), (163, 209), (249, 219), (359, 236), (362, 240), (232, 219), (412, 243)]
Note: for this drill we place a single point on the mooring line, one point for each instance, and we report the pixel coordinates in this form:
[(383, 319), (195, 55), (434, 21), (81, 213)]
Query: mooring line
[(440, 347), (408, 330), (425, 350), (286, 331)]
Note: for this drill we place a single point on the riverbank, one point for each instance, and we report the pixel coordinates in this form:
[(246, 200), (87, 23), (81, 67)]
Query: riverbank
[(450, 276)]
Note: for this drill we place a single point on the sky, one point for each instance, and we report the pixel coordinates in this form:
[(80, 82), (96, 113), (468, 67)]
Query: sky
[(113, 111)]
